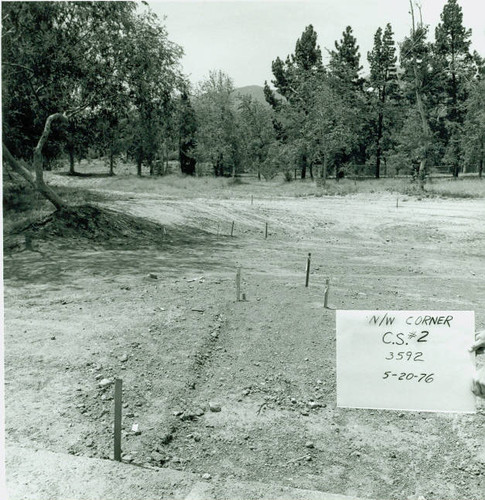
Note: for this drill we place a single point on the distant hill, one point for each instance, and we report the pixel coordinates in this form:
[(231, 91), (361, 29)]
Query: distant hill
[(255, 91)]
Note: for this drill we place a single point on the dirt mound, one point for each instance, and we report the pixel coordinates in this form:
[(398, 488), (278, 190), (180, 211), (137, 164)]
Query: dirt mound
[(90, 223), (96, 224)]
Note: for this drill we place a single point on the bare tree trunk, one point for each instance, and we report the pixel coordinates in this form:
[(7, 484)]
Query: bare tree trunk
[(71, 162), (111, 162), (421, 173), (379, 146), (303, 170), (46, 191), (167, 166), (38, 183), (324, 169), (422, 114), (480, 168)]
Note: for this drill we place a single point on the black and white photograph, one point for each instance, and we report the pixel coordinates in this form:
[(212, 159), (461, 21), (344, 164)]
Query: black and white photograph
[(243, 250)]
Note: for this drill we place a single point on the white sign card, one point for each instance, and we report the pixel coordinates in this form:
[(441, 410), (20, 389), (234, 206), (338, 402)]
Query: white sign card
[(406, 360)]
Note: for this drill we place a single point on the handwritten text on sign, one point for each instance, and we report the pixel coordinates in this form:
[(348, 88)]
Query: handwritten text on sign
[(406, 360)]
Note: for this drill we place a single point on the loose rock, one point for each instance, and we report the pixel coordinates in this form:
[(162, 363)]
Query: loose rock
[(215, 407), (166, 438), (157, 457)]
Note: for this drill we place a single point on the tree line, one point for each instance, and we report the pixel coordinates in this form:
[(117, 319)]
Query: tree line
[(405, 117), (102, 79)]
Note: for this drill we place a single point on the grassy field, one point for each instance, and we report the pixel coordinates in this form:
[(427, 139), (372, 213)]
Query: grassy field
[(177, 185)]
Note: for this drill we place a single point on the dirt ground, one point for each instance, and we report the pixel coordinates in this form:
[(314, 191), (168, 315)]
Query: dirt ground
[(244, 390)]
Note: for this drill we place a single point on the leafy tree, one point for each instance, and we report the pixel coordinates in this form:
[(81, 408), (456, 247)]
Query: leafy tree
[(281, 158), (257, 132), (217, 134), (383, 87), (56, 59), (153, 74), (78, 59), (330, 128)]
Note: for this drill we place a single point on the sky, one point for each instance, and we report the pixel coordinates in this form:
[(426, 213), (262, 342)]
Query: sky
[(243, 37)]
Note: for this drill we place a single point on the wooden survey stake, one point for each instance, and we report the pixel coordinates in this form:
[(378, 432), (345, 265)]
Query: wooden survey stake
[(327, 291), (238, 284), (117, 427), (307, 278), (406, 360)]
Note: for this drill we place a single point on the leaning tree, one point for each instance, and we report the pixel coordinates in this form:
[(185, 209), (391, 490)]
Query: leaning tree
[(74, 59)]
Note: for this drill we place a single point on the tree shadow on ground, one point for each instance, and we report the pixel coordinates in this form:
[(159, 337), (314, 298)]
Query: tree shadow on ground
[(82, 174), (66, 266), (98, 242)]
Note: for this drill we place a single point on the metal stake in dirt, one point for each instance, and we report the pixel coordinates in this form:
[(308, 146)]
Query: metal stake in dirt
[(308, 269), (238, 284), (251, 199), (117, 428), (232, 229), (327, 290), (266, 230), (397, 202)]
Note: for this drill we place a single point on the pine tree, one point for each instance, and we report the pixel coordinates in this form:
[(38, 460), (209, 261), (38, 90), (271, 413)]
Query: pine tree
[(383, 81), (292, 79), (308, 56), (452, 50), (453, 58), (344, 76), (290, 75), (473, 138), (344, 62)]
